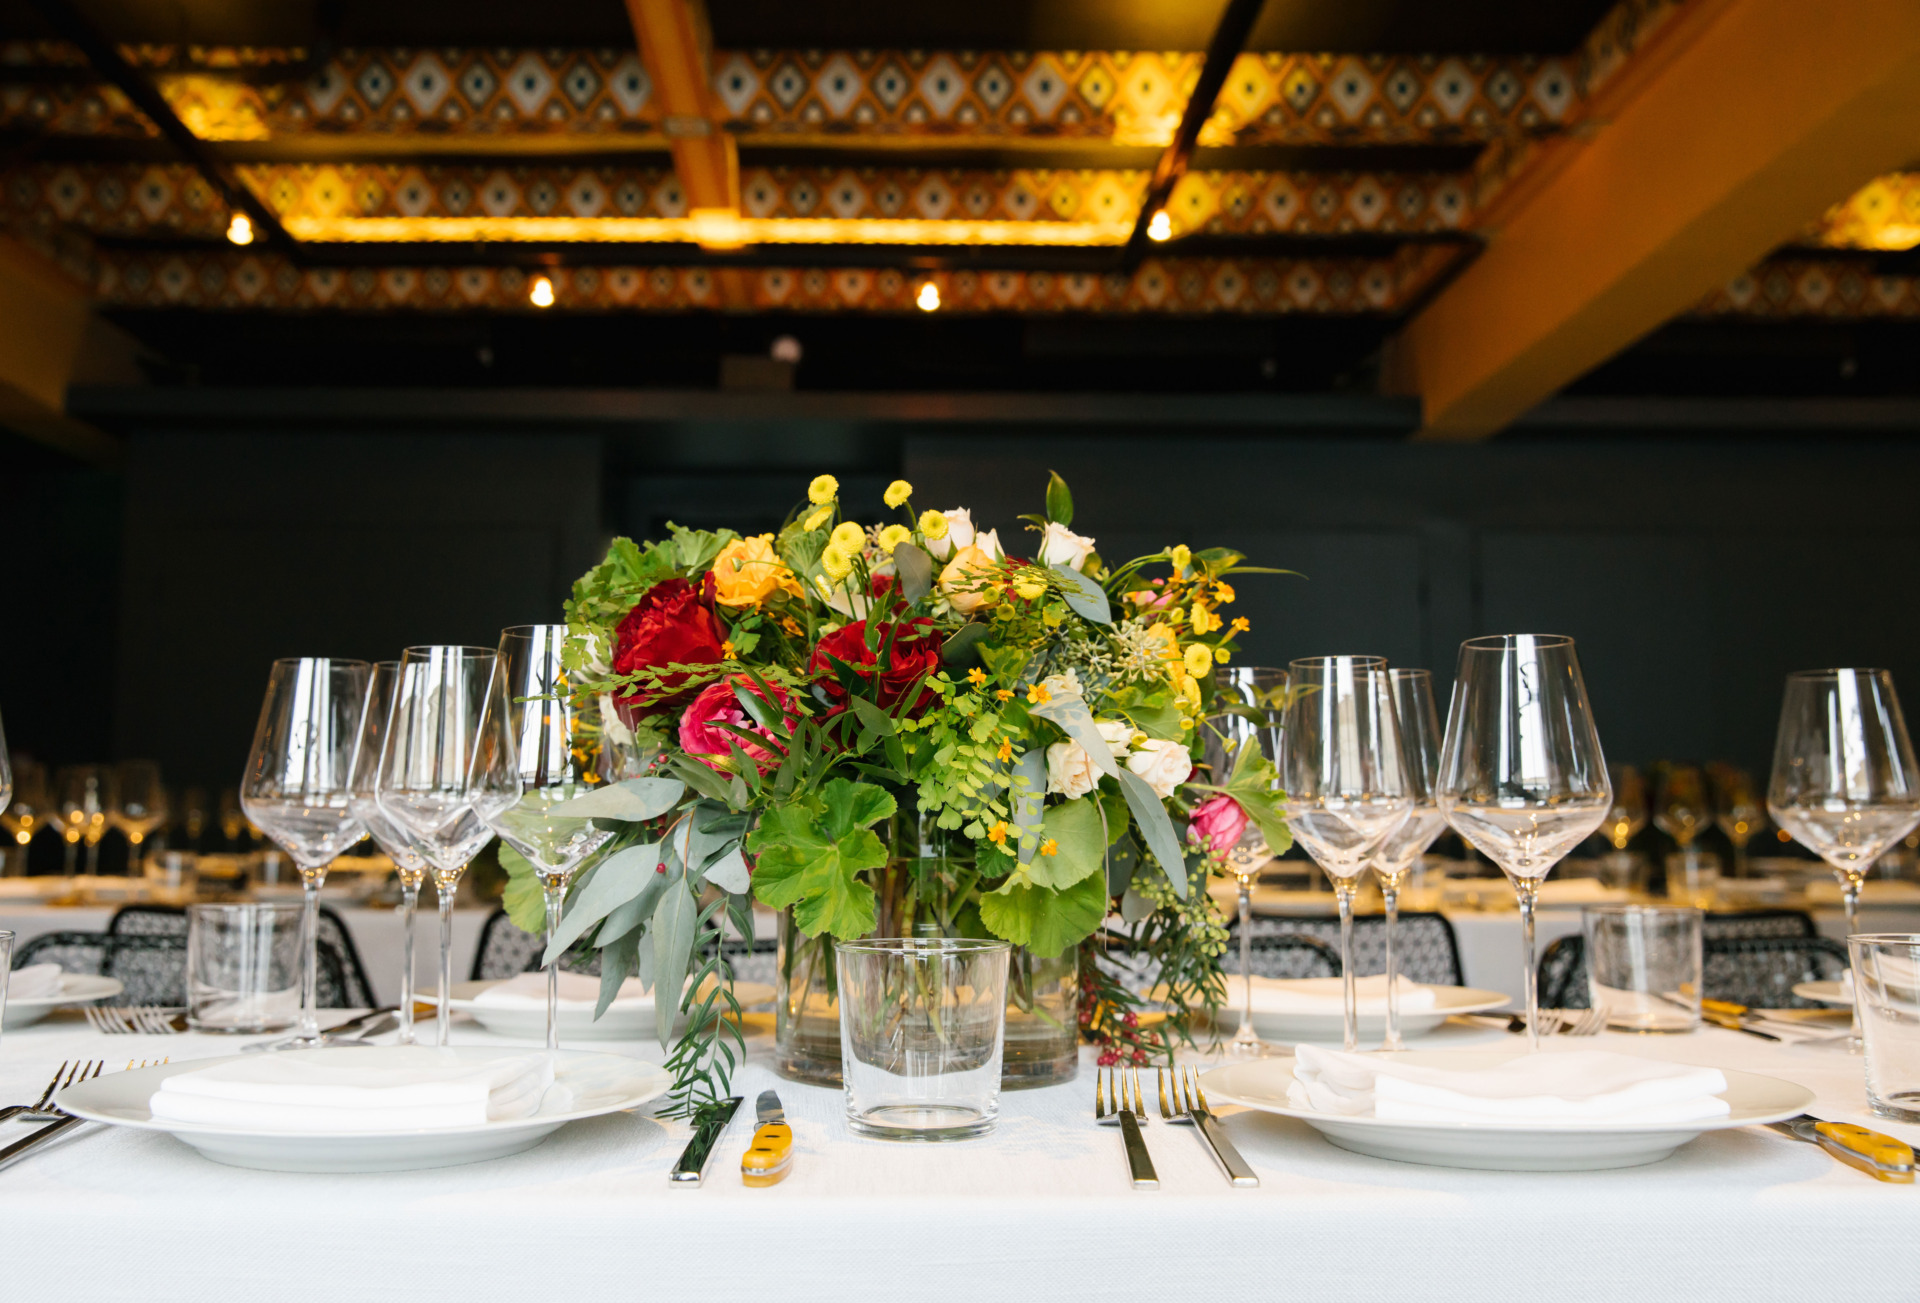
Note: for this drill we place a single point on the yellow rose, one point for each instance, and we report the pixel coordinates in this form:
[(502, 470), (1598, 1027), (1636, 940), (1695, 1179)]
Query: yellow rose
[(847, 537), (967, 569), (1198, 659), (893, 536), (824, 488), (818, 518), (747, 572), (1180, 555), (933, 523), (835, 564), (897, 493)]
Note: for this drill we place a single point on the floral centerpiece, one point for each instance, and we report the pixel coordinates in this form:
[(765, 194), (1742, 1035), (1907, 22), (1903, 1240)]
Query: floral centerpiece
[(904, 728)]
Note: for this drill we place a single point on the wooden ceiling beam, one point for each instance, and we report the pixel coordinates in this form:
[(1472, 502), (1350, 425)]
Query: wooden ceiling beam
[(1751, 122)]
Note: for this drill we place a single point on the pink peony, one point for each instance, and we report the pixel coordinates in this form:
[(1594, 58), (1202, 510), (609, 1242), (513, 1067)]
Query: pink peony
[(1218, 824), (701, 738)]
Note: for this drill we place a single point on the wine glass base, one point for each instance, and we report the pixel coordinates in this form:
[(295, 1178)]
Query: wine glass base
[(1249, 1048), (323, 1041)]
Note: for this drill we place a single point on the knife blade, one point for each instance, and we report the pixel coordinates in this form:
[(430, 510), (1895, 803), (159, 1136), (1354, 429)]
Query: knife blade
[(770, 1157), (1879, 1156), (692, 1167), (39, 1138)]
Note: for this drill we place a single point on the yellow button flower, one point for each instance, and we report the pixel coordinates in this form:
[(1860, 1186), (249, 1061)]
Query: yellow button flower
[(818, 518), (1204, 621), (933, 523), (893, 536), (847, 538), (835, 564), (1198, 659), (1180, 555), (897, 493), (824, 488)]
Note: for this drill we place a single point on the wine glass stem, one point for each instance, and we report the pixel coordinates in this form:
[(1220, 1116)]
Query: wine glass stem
[(1245, 1036), (1343, 891), (555, 890), (1850, 897), (409, 901), (1526, 890), (1390, 894), (310, 952), (443, 1015)]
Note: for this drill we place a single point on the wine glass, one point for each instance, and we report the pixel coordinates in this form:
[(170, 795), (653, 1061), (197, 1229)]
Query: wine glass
[(540, 747), (1257, 695), (1680, 808), (140, 804), (400, 846), (86, 794), (1626, 817), (29, 811), (1345, 779), (297, 788), (1522, 776), (1738, 809), (1844, 784), (1420, 737), (426, 777)]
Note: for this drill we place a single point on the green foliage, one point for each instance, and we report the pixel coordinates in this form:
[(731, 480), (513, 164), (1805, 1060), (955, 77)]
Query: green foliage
[(1046, 922), (811, 855), (1059, 500), (1079, 845)]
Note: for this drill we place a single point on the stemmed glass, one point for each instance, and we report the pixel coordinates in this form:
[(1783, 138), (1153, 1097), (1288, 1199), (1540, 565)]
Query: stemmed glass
[(540, 747), (1260, 693), (1345, 779), (296, 790), (86, 794), (1420, 739), (426, 778), (28, 811), (1680, 807), (1738, 810), (1844, 785), (140, 804), (1522, 777), (400, 846)]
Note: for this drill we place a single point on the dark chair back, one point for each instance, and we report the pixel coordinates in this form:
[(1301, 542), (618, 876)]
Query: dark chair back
[(1736, 924), (1284, 954), (1424, 944), (507, 951), (350, 988), (1758, 971)]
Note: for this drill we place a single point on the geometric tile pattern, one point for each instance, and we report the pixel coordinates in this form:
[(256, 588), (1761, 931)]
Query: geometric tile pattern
[(1813, 287)]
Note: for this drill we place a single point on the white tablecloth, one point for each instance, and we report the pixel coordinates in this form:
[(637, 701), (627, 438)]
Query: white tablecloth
[(1041, 1209)]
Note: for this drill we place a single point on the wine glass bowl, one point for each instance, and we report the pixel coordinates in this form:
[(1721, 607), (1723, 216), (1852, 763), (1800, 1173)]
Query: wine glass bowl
[(1420, 739), (141, 805), (1680, 807), (86, 795), (28, 810), (1738, 810)]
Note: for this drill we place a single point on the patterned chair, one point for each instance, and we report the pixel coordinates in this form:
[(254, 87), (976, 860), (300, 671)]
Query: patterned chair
[(353, 990), (1284, 954), (505, 951), (1423, 944), (1758, 971), (153, 966)]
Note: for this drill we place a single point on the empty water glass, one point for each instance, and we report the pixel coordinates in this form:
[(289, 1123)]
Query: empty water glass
[(921, 1022), (1886, 993), (1693, 878), (243, 966), (1643, 966)]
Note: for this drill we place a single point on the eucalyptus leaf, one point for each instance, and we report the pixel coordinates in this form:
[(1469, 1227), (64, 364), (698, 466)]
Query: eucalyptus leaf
[(1123, 857), (1088, 599), (1029, 799), (729, 872), (617, 963), (964, 647), (631, 800), (1151, 817), (1134, 907), (632, 915), (1073, 717), (673, 928), (619, 879), (915, 569)]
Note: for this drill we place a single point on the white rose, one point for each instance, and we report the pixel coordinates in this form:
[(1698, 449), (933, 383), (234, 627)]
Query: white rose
[(989, 543), (1070, 770), (959, 534), (1165, 765), (1119, 736), (616, 728), (1060, 546), (1062, 685)]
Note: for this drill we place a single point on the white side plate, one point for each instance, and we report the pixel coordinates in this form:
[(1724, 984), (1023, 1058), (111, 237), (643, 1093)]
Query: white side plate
[(75, 988), (1292, 1025), (626, 1020), (1824, 992)]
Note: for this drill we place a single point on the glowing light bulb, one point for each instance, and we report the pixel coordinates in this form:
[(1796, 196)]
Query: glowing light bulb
[(928, 298), (1160, 227), (240, 229), (542, 292)]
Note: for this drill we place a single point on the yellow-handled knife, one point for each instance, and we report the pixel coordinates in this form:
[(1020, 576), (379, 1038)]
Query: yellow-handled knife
[(1879, 1156), (770, 1157)]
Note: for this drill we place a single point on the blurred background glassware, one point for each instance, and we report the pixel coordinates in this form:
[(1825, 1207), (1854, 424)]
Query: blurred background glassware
[(172, 876), (1522, 775), (1644, 966), (86, 794), (1621, 868), (921, 1027), (297, 788), (27, 812), (1420, 739), (1886, 987), (6, 770), (1680, 808), (1738, 809), (1693, 878), (243, 966), (140, 804), (191, 812), (1258, 694), (234, 824), (539, 747), (400, 845), (427, 783), (1345, 778)]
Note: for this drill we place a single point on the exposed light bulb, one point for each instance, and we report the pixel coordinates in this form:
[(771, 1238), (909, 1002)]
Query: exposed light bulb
[(240, 229), (928, 298), (542, 292), (1160, 227)]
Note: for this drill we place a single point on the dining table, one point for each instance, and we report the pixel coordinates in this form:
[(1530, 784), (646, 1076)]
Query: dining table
[(1039, 1208)]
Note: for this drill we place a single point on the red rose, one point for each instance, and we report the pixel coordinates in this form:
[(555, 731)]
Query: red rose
[(915, 654), (717, 704), (673, 624)]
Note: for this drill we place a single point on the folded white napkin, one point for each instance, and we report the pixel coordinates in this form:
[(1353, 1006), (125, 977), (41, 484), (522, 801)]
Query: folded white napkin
[(1324, 995), (1584, 1086), (577, 990), (34, 982), (383, 1088)]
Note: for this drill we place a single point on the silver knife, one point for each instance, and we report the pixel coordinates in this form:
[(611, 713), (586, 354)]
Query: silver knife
[(707, 1130), (38, 1138)]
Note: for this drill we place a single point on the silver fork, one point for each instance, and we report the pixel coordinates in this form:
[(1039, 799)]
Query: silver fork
[(131, 1020), (1128, 1111), (1188, 1107), (65, 1121), (79, 1069), (1589, 1023)]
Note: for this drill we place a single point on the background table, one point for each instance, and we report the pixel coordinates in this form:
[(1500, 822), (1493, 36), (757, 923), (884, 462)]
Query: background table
[(1041, 1209)]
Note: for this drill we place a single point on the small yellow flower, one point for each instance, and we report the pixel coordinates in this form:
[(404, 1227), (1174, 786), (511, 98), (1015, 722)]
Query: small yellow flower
[(1006, 750), (893, 536), (1048, 846), (1003, 694), (1180, 555), (792, 626), (977, 677), (1198, 659), (1204, 621), (1029, 586), (1223, 592), (998, 833), (1240, 625), (824, 488), (728, 650), (835, 564), (1038, 695), (847, 538), (818, 518), (933, 523), (897, 493), (1221, 655)]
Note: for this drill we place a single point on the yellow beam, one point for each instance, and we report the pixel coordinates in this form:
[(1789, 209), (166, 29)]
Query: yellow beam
[(47, 336), (1748, 127), (675, 47)]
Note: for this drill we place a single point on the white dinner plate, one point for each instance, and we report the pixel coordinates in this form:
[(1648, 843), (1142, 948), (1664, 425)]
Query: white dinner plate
[(624, 1020), (1559, 1147), (75, 988), (602, 1083), (1291, 1025), (1824, 992)]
